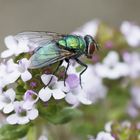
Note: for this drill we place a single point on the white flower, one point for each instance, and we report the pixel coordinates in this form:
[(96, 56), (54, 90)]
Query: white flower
[(93, 85), (133, 61), (92, 89), (46, 93), (23, 69), (104, 136), (132, 33), (30, 98), (135, 92), (108, 126), (57, 89), (111, 67), (89, 28), (21, 115), (15, 47), (6, 100), (76, 96), (8, 73)]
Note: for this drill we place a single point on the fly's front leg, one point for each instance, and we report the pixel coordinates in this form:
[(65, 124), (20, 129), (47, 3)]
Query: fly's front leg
[(84, 65), (68, 64), (55, 72)]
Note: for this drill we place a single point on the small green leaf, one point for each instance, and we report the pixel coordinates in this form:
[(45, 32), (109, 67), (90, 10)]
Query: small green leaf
[(57, 114), (66, 115), (13, 132)]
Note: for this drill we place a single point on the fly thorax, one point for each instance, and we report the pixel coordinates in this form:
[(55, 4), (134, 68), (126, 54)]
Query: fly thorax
[(72, 42)]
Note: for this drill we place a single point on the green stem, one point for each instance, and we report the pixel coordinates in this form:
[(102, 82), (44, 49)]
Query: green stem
[(36, 130), (32, 134)]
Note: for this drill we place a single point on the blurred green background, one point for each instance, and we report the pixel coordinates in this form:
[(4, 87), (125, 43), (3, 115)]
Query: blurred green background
[(62, 16)]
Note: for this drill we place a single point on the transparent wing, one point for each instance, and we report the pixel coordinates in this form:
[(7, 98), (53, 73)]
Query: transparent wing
[(38, 38), (48, 54)]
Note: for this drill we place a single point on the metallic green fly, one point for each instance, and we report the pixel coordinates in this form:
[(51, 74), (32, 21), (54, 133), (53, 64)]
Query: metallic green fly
[(54, 47)]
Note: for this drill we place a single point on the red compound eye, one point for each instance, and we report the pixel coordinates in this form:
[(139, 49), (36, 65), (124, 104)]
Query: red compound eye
[(91, 49)]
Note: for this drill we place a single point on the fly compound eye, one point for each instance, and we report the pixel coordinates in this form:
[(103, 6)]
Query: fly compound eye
[(90, 43), (91, 49)]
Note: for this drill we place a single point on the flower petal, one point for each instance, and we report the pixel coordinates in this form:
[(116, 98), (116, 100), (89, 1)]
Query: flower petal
[(60, 85), (89, 28), (10, 93), (23, 120), (8, 108), (30, 98), (71, 99), (46, 79), (12, 77), (29, 95), (82, 97), (7, 53), (25, 76), (45, 94), (108, 126), (33, 114), (28, 104), (12, 119), (18, 105), (24, 64), (10, 42), (58, 94), (111, 59), (73, 80)]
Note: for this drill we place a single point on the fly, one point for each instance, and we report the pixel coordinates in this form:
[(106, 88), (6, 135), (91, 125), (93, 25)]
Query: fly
[(53, 47)]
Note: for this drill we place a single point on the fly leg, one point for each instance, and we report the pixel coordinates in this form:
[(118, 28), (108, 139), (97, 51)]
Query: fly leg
[(84, 65), (55, 72), (68, 64)]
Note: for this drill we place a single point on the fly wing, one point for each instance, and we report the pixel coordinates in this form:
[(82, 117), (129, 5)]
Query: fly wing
[(38, 38), (48, 54)]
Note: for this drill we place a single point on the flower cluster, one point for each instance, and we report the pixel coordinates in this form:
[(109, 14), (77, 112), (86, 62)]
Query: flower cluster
[(29, 96), (17, 81)]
